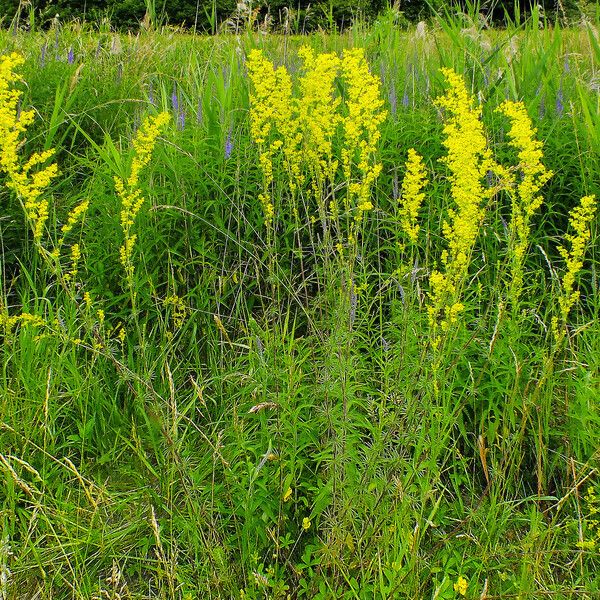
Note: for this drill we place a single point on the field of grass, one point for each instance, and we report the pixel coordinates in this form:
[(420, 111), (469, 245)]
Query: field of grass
[(326, 331)]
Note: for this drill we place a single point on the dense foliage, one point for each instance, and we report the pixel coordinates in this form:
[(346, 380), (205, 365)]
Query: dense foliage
[(298, 16), (300, 316)]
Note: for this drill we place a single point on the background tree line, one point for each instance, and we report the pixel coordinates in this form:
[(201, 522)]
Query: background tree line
[(296, 16)]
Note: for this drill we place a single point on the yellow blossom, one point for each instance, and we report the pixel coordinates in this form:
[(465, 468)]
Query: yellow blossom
[(412, 196), (25, 180), (579, 220), (524, 191), (271, 110), (287, 495), (319, 117), (468, 160), (306, 523), (460, 586), (128, 189), (365, 113)]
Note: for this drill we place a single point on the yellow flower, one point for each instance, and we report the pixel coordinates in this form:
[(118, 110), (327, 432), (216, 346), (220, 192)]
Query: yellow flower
[(128, 189), (412, 197), (525, 198), (29, 184), (287, 495), (461, 586), (468, 160), (306, 523), (271, 111), (579, 220), (365, 113), (319, 117)]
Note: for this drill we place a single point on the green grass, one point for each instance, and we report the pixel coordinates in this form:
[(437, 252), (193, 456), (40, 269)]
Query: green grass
[(157, 467)]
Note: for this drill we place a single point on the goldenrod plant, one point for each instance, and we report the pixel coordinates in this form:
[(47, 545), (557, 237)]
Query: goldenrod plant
[(415, 180), (29, 180), (580, 219), (129, 190), (524, 183)]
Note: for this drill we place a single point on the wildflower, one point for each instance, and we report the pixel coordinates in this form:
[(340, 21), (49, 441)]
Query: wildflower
[(151, 94), (393, 99), (270, 108), (174, 99), (468, 159), (74, 216), (579, 220), (525, 198), (179, 310), (287, 495), (412, 196), (28, 183), (460, 586), (306, 523), (71, 56), (559, 107), (128, 189), (318, 116), (361, 131), (181, 120)]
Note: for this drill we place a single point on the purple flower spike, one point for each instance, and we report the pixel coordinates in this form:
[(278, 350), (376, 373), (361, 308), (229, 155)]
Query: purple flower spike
[(151, 94), (393, 99), (405, 99), (560, 107), (174, 100), (199, 112), (542, 109), (395, 187), (43, 55), (181, 119), (71, 56), (228, 144)]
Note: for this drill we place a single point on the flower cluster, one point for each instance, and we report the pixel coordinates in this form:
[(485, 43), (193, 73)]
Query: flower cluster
[(27, 180), (579, 220), (461, 585), (27, 319), (271, 111), (303, 129), (415, 180), (524, 192), (361, 130), (129, 190), (468, 160), (319, 117), (179, 312)]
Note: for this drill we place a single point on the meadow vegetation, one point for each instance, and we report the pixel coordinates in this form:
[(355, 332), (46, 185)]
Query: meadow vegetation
[(300, 317)]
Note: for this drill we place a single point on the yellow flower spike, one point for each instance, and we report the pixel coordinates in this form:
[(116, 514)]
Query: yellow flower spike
[(415, 180), (460, 587), (468, 160), (271, 111), (579, 220), (319, 117), (128, 189), (361, 130), (28, 184), (525, 198)]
